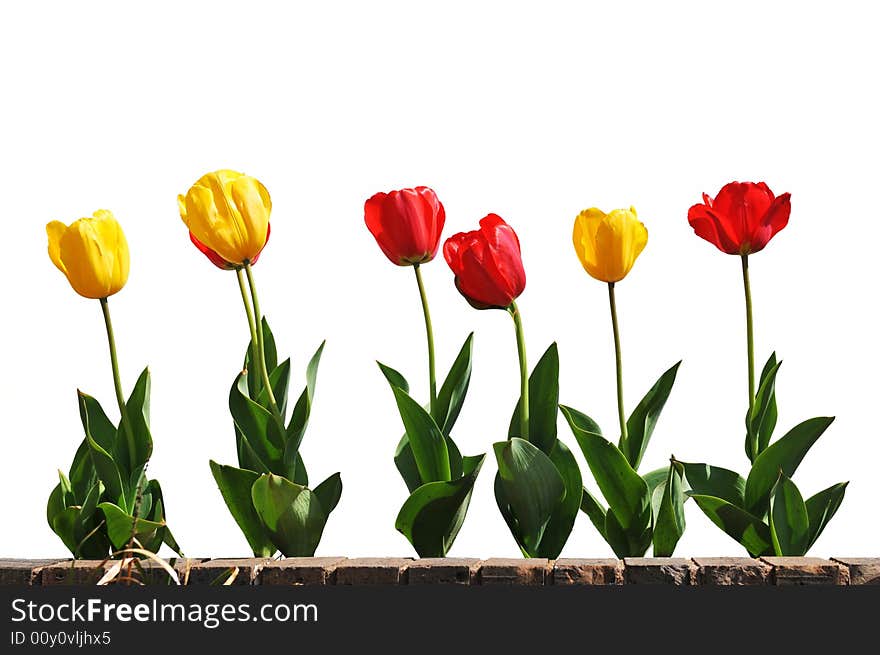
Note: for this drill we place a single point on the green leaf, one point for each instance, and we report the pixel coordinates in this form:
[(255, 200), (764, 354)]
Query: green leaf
[(433, 514), (105, 467), (64, 525), (747, 529), (279, 378), (235, 486), (299, 420), (543, 402), (254, 382), (624, 490), (822, 507), (395, 378), (328, 492), (137, 411), (257, 426), (82, 472), (426, 440), (120, 522), (706, 480), (532, 486), (451, 396), (56, 503), (291, 514), (640, 425), (789, 522), (594, 511), (761, 417), (158, 515), (562, 518), (670, 523), (406, 464), (785, 455), (89, 506)]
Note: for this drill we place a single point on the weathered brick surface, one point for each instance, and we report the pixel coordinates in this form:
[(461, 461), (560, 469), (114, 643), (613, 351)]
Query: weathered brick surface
[(862, 570), (807, 571), (300, 571), (587, 572), (153, 574), (660, 570), (732, 571), (372, 571), (217, 571), (443, 570), (78, 572), (23, 571), (530, 572)]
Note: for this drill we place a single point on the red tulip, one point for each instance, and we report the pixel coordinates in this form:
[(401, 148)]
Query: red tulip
[(406, 224), (216, 259), (487, 264), (742, 218)]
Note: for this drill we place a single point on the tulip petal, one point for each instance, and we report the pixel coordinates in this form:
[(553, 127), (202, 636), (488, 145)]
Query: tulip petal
[(55, 230)]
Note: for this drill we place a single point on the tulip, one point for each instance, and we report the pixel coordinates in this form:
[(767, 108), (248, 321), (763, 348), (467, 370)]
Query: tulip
[(488, 269), (406, 224), (92, 253), (227, 214), (487, 264), (742, 218), (608, 244)]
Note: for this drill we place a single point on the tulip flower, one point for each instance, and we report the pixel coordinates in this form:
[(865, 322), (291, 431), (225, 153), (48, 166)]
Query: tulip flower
[(406, 224), (108, 474), (92, 253), (487, 264), (772, 517), (227, 214), (742, 218), (608, 245)]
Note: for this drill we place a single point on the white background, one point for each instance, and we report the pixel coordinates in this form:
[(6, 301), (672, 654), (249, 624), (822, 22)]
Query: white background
[(533, 114)]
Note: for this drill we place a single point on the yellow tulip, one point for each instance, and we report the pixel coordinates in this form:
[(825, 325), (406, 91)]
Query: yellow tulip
[(228, 213), (92, 253), (608, 244)]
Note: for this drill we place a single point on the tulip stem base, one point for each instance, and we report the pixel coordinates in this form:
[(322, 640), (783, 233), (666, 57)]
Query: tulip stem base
[(523, 371), (750, 332), (261, 350), (117, 383), (429, 330), (621, 414)]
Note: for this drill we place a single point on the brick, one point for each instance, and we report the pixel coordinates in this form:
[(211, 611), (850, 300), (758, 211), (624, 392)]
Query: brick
[(216, 571), (74, 572), (807, 571), (153, 574), (528, 572), (443, 570), (300, 571), (862, 570), (372, 571), (23, 572), (732, 571), (660, 570), (587, 572)]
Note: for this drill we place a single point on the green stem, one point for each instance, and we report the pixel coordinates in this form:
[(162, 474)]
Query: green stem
[(261, 351), (250, 315), (621, 415), (750, 330), (432, 375), (523, 371), (117, 384)]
